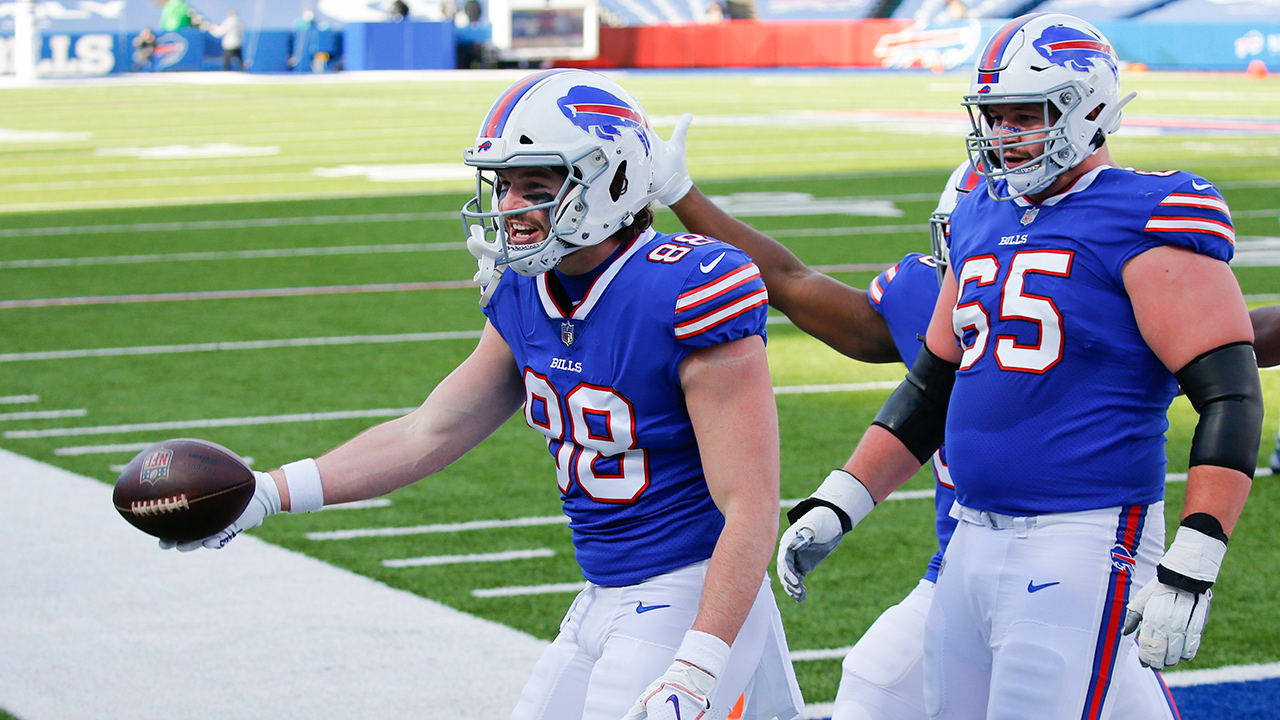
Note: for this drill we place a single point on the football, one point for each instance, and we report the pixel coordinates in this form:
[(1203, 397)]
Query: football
[(183, 490)]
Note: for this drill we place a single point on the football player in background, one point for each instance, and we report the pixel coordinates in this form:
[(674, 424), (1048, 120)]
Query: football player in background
[(641, 359), (1079, 297), (882, 676)]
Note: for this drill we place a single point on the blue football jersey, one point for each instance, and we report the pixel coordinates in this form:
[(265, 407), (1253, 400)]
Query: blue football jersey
[(602, 384), (1059, 405), (904, 295)]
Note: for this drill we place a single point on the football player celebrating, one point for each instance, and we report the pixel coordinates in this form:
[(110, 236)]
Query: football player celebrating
[(1079, 297), (882, 676), (641, 359)]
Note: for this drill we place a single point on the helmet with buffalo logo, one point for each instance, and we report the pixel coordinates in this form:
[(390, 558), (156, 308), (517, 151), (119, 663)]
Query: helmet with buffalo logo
[(1055, 59), (582, 123)]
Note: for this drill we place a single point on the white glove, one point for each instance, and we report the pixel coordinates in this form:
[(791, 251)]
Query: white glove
[(1170, 612), (264, 503), (684, 690), (816, 530), (671, 180)]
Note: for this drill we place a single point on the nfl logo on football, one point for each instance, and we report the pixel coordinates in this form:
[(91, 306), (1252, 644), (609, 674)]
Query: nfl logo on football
[(156, 467)]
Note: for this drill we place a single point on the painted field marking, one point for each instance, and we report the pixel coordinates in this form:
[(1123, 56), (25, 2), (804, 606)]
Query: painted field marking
[(236, 294), (471, 558), (840, 387), (551, 589), (96, 449), (18, 399), (230, 255), (437, 528), (43, 414), (239, 346), (241, 224), (215, 422)]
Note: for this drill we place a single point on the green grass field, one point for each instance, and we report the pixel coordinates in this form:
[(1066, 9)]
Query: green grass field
[(113, 195)]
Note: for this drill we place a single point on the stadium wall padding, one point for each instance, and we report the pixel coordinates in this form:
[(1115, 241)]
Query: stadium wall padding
[(1226, 46)]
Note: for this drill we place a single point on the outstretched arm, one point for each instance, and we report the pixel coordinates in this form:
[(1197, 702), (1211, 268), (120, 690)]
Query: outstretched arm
[(465, 408)]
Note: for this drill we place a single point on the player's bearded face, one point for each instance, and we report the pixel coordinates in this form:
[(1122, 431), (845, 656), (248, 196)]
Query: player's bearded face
[(528, 187), (1009, 121)]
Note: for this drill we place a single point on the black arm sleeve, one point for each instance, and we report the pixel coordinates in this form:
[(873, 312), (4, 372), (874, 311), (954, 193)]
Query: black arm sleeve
[(916, 412), (1224, 388)]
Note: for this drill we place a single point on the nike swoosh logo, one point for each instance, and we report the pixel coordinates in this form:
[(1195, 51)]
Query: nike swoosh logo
[(642, 608), (1198, 186), (675, 702), (704, 267), (1033, 587)]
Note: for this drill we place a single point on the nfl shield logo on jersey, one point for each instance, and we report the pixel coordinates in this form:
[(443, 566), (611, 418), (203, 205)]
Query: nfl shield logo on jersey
[(1030, 215), (566, 333)]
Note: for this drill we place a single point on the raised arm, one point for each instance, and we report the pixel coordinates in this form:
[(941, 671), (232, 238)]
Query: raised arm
[(837, 314)]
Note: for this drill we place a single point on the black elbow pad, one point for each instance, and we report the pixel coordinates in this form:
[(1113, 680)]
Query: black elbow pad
[(1224, 388), (916, 412)]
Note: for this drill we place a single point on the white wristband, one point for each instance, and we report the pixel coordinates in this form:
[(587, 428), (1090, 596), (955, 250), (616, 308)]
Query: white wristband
[(705, 652), (847, 493), (306, 494)]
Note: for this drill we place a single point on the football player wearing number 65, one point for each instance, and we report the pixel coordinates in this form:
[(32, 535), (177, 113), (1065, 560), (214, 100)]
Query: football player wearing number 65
[(641, 359), (1079, 297)]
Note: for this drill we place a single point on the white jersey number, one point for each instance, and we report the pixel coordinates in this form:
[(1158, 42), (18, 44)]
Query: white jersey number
[(591, 432), (971, 318)]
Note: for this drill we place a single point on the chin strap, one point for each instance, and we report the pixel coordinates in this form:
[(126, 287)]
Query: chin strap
[(486, 253)]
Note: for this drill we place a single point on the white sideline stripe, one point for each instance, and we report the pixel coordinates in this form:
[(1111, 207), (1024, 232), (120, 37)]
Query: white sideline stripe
[(217, 422), (43, 414), (18, 399), (471, 558), (239, 345), (844, 387), (236, 294), (99, 624), (229, 255), (572, 587), (225, 224), (438, 528)]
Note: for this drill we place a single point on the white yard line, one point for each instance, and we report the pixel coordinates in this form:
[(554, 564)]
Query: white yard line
[(235, 294), (210, 423), (229, 255), (238, 346), (18, 399), (43, 414), (552, 589), (99, 624), (431, 560)]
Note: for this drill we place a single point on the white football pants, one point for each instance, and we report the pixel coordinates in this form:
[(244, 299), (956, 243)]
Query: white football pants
[(883, 674), (615, 641), (1026, 617)]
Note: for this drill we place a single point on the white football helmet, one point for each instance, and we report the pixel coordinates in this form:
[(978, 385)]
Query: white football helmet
[(1060, 61), (576, 120)]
